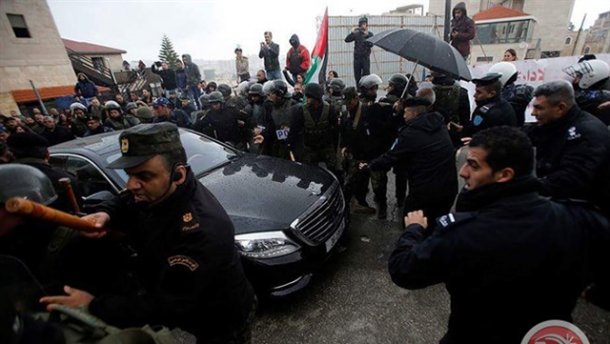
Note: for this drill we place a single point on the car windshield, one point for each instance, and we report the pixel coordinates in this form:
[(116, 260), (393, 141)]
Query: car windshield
[(203, 154)]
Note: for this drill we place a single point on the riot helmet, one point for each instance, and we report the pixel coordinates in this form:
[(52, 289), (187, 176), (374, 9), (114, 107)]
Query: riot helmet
[(506, 69), (336, 86), (398, 81), (225, 90), (216, 97), (369, 81), (17, 180), (593, 71), (256, 89)]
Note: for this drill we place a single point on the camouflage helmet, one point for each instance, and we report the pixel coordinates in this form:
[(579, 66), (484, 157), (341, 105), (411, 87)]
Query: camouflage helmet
[(131, 105), (336, 85), (112, 105), (225, 90), (216, 97), (370, 81), (256, 89), (399, 81), (17, 180), (77, 105)]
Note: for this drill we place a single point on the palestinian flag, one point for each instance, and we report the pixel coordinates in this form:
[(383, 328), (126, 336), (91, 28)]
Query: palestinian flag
[(319, 55)]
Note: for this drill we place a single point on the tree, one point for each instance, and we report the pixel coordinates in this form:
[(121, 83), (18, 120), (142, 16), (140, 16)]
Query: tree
[(167, 53)]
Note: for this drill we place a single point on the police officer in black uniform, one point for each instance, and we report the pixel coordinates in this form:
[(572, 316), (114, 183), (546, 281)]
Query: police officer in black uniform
[(492, 110), (188, 264), (423, 153), (510, 258), (572, 147), (519, 96)]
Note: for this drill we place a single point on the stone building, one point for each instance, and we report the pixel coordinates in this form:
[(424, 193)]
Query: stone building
[(535, 29), (598, 37), (31, 49)]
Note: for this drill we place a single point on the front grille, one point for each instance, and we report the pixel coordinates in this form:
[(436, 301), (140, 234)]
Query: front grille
[(321, 220)]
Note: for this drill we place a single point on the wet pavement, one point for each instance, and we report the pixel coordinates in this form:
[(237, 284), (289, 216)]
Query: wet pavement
[(352, 299)]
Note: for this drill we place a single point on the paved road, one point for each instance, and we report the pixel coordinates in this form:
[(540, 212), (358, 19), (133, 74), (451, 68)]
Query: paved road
[(352, 300)]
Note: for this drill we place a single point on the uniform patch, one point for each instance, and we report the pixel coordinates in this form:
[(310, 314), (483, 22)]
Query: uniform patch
[(188, 217), (477, 120), (188, 262), (572, 134), (124, 145)]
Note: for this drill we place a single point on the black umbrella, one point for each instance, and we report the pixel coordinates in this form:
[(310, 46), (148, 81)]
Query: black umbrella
[(424, 49)]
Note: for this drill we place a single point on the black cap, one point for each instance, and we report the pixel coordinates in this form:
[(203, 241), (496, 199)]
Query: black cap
[(416, 101), (488, 79), (142, 142), (27, 140)]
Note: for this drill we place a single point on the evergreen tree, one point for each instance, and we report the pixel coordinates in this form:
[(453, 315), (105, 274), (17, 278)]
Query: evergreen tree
[(167, 53)]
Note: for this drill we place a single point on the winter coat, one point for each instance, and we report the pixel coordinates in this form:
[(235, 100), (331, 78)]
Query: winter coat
[(509, 259), (573, 157), (362, 48), (490, 113), (297, 59), (424, 152), (464, 26), (85, 88)]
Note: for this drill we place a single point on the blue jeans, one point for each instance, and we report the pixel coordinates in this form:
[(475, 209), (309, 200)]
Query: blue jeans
[(194, 94), (274, 75)]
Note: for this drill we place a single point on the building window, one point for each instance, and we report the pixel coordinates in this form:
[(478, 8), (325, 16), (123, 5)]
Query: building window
[(549, 54), (18, 24), (485, 58), (98, 63), (568, 40), (504, 32)]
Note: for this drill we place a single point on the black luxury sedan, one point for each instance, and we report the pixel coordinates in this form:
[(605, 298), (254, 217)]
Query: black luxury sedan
[(288, 217)]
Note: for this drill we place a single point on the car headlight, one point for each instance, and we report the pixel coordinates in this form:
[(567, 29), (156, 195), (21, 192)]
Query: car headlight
[(265, 245)]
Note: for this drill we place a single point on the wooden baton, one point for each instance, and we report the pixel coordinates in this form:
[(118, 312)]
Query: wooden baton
[(22, 206), (67, 185)]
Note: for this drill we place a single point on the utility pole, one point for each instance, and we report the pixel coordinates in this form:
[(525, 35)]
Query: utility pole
[(447, 20), (582, 23)]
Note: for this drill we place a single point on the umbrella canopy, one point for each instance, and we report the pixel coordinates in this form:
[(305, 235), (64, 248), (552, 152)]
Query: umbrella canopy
[(424, 49)]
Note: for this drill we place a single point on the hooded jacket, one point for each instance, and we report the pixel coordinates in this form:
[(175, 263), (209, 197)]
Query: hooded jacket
[(193, 76), (464, 26), (297, 59), (85, 88)]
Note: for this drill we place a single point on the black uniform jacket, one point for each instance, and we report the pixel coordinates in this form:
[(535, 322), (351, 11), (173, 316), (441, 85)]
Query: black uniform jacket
[(510, 260), (573, 157), (490, 113), (423, 150), (189, 266)]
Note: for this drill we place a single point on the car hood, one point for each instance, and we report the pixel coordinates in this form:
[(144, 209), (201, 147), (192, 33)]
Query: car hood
[(264, 193)]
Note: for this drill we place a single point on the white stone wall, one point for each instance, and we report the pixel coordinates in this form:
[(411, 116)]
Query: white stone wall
[(552, 20)]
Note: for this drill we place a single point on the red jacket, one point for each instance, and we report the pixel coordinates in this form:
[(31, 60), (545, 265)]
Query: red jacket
[(303, 57)]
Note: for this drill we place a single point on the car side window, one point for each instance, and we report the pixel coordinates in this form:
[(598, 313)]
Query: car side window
[(90, 179)]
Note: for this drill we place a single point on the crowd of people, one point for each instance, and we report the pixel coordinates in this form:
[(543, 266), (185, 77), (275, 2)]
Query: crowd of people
[(521, 217)]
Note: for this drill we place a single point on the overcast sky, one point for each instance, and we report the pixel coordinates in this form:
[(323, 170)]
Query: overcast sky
[(211, 29)]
